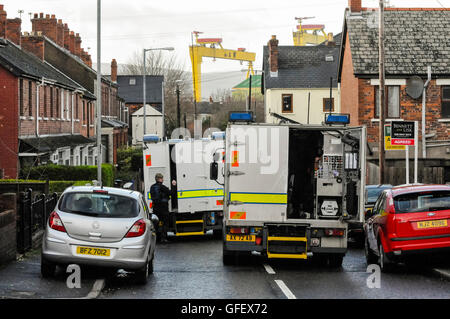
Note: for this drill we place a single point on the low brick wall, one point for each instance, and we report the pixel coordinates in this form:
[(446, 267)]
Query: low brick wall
[(7, 228)]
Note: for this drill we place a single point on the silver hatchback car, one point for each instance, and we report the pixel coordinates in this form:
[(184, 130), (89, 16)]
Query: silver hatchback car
[(108, 227)]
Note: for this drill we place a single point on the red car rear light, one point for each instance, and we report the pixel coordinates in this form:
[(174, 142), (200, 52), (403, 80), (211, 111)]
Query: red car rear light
[(332, 232), (138, 229), (55, 222), (238, 230)]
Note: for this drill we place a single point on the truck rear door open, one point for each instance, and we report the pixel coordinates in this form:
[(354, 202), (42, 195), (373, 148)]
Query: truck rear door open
[(256, 171), (156, 160)]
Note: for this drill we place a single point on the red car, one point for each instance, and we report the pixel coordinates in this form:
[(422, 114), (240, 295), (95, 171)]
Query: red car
[(408, 221)]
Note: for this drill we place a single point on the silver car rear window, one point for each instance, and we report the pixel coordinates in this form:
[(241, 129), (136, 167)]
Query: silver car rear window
[(98, 204)]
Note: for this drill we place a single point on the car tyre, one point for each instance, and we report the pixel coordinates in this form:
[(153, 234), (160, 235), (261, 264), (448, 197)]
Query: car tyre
[(142, 274), (371, 258), (383, 261), (150, 267), (47, 268)]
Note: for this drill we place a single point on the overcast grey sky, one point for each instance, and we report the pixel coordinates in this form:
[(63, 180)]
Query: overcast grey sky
[(128, 26)]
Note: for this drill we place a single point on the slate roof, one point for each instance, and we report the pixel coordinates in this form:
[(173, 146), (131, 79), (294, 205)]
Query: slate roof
[(414, 39), (134, 94), (52, 143), (22, 63), (113, 123), (302, 67)]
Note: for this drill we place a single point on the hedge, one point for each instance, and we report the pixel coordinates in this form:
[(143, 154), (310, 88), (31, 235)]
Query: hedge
[(70, 173), (53, 186)]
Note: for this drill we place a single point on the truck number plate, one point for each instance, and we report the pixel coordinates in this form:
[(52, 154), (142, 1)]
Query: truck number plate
[(241, 237)]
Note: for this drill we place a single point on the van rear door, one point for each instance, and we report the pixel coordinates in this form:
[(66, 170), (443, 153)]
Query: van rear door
[(156, 160), (257, 170)]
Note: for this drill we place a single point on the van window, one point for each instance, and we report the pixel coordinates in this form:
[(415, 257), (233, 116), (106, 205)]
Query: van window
[(422, 202)]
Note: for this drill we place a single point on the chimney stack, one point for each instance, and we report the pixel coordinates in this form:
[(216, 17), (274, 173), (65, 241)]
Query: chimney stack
[(14, 30), (273, 56), (33, 43), (60, 33), (2, 22), (114, 70), (72, 42), (47, 25), (355, 5), (78, 45)]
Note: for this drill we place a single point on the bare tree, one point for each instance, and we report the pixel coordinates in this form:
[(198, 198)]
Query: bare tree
[(167, 65)]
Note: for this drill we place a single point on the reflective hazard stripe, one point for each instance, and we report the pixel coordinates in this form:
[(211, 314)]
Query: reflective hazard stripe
[(259, 198), (198, 193)]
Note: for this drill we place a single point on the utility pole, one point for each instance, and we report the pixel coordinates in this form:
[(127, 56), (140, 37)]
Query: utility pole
[(382, 96), (178, 106), (99, 96), (249, 93)]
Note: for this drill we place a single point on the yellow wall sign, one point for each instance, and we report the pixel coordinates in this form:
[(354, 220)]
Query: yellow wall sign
[(387, 140)]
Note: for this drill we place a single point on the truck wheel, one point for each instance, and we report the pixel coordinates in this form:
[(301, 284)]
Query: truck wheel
[(228, 257), (47, 268), (217, 233), (335, 260), (371, 258)]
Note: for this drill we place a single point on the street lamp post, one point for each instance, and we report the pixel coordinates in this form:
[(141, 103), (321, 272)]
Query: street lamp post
[(144, 73), (99, 97)]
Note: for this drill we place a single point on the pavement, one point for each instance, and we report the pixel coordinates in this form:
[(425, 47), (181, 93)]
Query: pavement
[(22, 279)]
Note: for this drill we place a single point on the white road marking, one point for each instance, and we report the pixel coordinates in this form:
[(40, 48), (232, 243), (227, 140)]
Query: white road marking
[(269, 269), (96, 289), (285, 289)]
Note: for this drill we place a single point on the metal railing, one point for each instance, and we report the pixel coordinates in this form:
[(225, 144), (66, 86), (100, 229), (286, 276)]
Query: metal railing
[(32, 215)]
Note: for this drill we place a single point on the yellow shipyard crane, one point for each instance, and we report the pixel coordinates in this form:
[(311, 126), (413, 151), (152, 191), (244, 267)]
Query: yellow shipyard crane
[(310, 33), (212, 48)]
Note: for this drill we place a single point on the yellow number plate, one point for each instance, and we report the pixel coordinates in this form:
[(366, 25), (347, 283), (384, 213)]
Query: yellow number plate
[(241, 237), (432, 224), (93, 251)]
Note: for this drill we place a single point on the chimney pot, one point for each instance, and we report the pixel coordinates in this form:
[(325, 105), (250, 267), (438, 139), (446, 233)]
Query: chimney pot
[(36, 15), (59, 21), (53, 16), (47, 16), (41, 15)]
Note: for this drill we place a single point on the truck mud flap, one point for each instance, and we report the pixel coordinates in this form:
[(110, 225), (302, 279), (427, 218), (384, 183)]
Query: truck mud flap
[(189, 227), (287, 247), (287, 241)]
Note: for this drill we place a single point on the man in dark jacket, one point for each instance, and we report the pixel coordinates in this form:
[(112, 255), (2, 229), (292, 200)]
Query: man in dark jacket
[(160, 196)]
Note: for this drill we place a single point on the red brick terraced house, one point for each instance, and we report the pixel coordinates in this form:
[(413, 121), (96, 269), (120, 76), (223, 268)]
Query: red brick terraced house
[(416, 38), (47, 98)]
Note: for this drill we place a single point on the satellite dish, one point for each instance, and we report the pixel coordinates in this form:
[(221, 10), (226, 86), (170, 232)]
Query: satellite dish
[(414, 87)]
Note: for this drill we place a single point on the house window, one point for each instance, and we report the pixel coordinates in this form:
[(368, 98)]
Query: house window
[(132, 81), (327, 107), (445, 102), (52, 113), (286, 101), (58, 101), (393, 93), (21, 97), (45, 101), (30, 98)]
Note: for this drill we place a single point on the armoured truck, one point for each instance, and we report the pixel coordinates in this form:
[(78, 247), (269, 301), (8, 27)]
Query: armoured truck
[(198, 204), (291, 190)]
